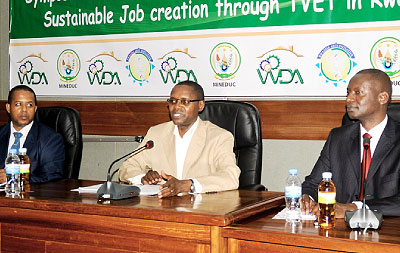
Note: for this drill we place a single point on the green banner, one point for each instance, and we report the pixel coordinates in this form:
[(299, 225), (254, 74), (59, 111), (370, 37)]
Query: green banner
[(59, 18)]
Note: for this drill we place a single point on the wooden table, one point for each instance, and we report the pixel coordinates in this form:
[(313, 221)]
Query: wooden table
[(261, 233), (54, 219)]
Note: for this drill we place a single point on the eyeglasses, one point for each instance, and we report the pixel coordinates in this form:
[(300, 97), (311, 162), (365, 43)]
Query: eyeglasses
[(174, 101)]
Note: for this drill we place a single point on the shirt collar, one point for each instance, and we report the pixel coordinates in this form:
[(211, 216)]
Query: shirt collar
[(377, 130), (24, 131), (190, 132)]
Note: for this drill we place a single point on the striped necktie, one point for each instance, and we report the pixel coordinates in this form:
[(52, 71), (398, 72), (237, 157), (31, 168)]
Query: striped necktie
[(16, 144)]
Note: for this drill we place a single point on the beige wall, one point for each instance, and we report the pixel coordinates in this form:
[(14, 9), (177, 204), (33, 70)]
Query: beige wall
[(278, 157)]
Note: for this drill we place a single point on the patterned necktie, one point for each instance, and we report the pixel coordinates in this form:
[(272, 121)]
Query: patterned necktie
[(16, 144), (366, 162)]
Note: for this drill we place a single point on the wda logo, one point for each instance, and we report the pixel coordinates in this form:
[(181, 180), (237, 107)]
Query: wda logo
[(98, 75), (172, 71), (26, 75), (280, 65)]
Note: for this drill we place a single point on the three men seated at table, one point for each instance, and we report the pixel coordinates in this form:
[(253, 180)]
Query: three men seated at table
[(45, 147), (191, 155)]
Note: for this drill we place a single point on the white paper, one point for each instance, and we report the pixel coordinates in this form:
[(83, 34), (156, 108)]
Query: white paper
[(282, 216), (145, 190)]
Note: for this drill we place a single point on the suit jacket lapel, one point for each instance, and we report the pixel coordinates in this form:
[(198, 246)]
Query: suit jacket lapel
[(32, 137), (353, 153), (195, 148), (385, 144), (170, 150)]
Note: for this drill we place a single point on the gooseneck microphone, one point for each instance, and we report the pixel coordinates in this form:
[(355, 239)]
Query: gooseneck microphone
[(148, 145), (364, 218), (110, 190), (366, 144)]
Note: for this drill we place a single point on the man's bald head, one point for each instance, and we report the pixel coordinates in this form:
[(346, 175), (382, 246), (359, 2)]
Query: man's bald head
[(380, 79)]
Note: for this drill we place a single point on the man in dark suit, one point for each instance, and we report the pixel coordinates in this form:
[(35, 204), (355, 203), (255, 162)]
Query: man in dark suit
[(44, 146), (368, 95)]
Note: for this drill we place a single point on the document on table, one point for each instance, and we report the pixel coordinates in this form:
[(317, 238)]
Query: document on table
[(282, 216), (145, 190)]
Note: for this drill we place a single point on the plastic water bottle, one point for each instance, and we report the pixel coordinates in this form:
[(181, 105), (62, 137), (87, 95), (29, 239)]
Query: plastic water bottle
[(326, 201), (12, 173), (293, 196)]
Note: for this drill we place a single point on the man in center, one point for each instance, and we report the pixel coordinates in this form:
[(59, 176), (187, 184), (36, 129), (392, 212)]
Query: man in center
[(189, 154)]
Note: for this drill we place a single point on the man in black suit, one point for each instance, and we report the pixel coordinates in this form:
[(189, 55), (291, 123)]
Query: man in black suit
[(44, 146), (368, 95)]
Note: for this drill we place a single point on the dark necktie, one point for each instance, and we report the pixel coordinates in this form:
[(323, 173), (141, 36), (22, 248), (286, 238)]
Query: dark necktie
[(366, 162), (16, 144)]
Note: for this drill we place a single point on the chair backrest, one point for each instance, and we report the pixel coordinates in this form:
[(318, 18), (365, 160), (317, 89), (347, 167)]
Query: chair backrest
[(67, 122), (393, 111), (243, 121)]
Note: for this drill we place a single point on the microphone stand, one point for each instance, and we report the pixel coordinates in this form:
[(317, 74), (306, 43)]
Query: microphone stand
[(110, 190), (364, 218)]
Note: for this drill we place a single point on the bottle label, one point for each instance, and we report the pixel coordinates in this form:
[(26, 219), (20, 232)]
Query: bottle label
[(12, 169), (293, 191), (24, 168), (327, 197)]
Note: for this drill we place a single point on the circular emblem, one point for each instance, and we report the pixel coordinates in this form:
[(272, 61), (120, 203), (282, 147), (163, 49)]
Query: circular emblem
[(68, 65), (385, 56), (336, 62), (139, 65), (225, 61)]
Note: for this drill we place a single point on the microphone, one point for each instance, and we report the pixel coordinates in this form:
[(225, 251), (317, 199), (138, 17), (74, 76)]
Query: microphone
[(364, 218), (110, 190), (366, 143)]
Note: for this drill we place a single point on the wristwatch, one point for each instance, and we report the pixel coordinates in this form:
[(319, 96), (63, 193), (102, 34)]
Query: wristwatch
[(192, 186)]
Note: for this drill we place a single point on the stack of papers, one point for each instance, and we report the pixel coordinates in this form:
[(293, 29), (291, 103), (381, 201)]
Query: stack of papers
[(282, 216)]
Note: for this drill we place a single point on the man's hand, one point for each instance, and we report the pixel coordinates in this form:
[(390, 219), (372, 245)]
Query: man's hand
[(173, 186), (342, 208), (151, 177), (309, 206), (2, 176)]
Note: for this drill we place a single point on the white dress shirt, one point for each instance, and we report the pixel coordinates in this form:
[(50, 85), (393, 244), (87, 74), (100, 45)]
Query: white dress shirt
[(24, 131), (181, 148), (375, 133)]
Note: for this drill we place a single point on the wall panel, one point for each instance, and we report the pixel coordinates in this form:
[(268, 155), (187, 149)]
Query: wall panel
[(292, 120)]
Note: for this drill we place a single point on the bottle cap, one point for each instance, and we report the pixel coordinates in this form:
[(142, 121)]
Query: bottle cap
[(293, 171), (327, 175), (22, 150), (13, 151)]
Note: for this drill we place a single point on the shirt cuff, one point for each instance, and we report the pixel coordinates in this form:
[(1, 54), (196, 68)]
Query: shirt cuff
[(197, 186)]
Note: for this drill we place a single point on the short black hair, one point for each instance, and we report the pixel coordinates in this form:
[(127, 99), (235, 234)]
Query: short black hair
[(381, 77), (17, 88), (195, 86)]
